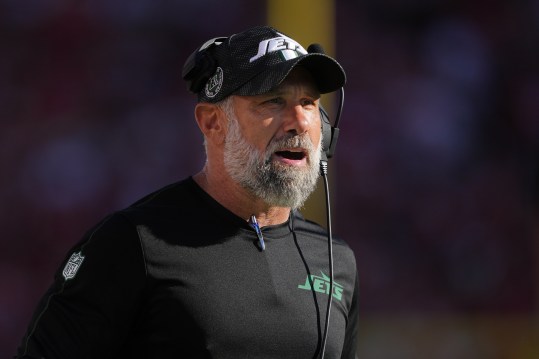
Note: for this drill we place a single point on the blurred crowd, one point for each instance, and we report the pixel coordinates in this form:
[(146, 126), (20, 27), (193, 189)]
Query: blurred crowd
[(435, 179), (440, 147)]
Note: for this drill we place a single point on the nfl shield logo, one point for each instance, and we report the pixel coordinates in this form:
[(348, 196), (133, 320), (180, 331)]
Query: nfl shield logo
[(72, 266)]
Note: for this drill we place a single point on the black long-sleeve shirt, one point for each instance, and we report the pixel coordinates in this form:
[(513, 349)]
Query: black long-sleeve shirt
[(176, 275)]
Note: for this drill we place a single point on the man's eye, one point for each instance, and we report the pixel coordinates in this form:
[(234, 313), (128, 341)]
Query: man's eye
[(276, 100), (308, 102)]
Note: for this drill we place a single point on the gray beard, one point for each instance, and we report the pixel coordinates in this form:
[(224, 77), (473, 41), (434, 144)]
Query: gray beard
[(276, 184)]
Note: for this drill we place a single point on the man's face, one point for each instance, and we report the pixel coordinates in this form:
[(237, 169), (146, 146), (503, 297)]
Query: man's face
[(272, 146)]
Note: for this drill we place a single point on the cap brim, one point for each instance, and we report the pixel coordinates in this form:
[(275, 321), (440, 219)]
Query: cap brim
[(328, 75)]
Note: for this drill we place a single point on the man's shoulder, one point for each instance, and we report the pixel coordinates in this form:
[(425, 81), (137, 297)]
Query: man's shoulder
[(171, 203), (169, 195)]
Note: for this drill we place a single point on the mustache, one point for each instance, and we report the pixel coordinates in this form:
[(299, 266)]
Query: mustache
[(291, 141)]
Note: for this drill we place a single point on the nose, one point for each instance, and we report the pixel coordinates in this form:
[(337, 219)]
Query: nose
[(298, 120)]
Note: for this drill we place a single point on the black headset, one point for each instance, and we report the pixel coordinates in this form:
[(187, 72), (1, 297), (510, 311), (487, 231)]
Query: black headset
[(201, 65), (330, 133)]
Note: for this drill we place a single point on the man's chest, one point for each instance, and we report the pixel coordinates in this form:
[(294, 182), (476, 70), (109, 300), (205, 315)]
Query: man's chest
[(235, 299)]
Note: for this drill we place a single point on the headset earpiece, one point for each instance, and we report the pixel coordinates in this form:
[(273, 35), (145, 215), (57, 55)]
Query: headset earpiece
[(326, 132), (200, 65), (330, 135)]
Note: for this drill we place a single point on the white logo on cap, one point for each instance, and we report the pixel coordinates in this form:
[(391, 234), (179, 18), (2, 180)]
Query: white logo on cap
[(213, 86), (278, 44)]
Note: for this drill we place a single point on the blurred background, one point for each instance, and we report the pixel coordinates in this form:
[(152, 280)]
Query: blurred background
[(434, 184)]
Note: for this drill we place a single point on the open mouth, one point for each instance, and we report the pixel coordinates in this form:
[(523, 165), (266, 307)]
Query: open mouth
[(291, 156)]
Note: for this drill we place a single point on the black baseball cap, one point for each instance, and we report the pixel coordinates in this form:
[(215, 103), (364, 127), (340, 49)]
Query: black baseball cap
[(254, 62)]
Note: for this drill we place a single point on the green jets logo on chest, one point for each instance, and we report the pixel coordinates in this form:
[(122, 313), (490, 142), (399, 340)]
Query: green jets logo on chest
[(320, 284)]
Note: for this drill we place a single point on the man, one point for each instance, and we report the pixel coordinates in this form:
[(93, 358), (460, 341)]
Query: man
[(221, 264)]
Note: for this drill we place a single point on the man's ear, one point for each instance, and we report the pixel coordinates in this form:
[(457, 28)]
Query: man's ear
[(212, 122)]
